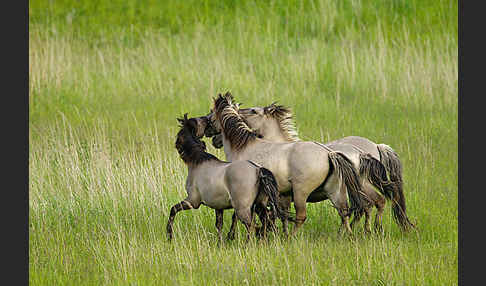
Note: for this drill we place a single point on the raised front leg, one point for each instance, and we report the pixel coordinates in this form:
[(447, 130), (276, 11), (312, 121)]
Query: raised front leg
[(219, 224), (183, 205)]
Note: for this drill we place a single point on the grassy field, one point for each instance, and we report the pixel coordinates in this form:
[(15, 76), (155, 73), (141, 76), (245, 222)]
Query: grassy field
[(107, 80)]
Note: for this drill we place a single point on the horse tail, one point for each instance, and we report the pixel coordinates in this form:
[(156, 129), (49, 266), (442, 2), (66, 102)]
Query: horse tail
[(375, 172), (346, 170), (267, 184), (393, 166)]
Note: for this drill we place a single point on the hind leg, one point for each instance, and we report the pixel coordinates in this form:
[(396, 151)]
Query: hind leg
[(367, 226), (380, 207), (231, 232), (265, 219), (340, 202), (285, 205), (337, 193), (378, 201), (356, 218), (373, 195), (345, 226), (246, 217), (219, 224)]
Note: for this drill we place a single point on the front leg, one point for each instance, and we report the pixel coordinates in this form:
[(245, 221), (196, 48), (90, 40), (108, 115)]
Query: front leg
[(300, 212), (219, 224), (183, 205)]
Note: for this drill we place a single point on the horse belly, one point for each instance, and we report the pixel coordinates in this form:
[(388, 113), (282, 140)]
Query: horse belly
[(318, 195), (216, 199)]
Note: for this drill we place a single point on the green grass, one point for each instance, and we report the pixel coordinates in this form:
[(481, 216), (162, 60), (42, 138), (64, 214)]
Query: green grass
[(107, 80)]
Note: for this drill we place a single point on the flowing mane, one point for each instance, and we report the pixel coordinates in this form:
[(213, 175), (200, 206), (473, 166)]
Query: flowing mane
[(285, 119), (191, 149), (233, 125)]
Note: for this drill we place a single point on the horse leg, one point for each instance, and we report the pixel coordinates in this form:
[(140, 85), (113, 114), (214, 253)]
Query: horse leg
[(340, 201), (300, 211), (231, 232), (183, 205), (263, 214), (380, 207), (356, 218), (246, 217), (367, 226), (285, 205), (343, 213), (372, 194), (337, 193), (219, 224), (378, 201)]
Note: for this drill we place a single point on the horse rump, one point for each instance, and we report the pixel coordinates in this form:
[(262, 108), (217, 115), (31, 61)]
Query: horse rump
[(267, 184)]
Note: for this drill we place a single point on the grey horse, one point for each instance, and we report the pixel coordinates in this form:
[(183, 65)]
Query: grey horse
[(378, 164), (221, 185), (306, 171)]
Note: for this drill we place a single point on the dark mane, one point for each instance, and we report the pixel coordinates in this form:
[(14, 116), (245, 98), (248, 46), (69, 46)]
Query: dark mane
[(191, 149), (285, 119), (233, 125)]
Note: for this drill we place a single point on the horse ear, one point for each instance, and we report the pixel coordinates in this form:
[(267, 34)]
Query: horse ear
[(229, 97), (180, 120)]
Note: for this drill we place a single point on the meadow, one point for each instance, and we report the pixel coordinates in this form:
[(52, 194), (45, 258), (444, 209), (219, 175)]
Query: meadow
[(107, 80)]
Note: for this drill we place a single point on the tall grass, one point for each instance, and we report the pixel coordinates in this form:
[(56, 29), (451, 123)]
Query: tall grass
[(108, 78)]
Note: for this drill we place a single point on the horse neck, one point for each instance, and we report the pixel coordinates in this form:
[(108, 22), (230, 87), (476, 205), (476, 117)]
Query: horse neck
[(273, 131), (193, 153), (242, 154), (228, 152), (194, 170), (274, 134)]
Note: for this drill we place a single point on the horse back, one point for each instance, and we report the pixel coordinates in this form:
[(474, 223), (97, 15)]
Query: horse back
[(363, 144)]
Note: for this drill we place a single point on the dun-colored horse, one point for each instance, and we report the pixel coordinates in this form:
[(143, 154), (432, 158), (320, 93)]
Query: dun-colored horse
[(241, 185), (306, 171), (379, 166)]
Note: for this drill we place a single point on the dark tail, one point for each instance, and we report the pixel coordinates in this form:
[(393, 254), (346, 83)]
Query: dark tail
[(375, 172), (393, 166), (358, 199), (268, 186)]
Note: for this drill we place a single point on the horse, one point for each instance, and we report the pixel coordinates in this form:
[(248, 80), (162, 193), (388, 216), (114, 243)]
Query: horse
[(375, 162), (241, 185), (306, 171)]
